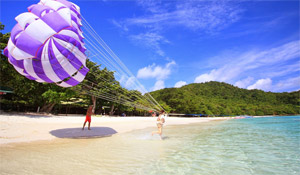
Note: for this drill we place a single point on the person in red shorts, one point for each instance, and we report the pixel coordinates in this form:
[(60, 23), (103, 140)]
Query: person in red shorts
[(88, 117)]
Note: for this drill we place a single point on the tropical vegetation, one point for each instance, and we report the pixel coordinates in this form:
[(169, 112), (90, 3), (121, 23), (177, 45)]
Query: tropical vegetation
[(101, 89), (216, 98)]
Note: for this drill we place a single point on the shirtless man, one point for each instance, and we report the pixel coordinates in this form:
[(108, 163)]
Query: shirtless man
[(88, 117)]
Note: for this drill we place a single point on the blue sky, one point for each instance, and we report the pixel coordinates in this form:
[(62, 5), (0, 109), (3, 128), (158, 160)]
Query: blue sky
[(249, 44)]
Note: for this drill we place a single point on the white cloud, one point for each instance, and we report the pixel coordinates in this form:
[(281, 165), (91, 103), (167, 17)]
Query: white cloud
[(207, 16), (158, 72), (119, 25), (160, 84), (290, 84), (263, 84), (130, 82), (256, 64), (180, 84), (206, 77), (171, 63), (223, 74), (282, 69), (150, 40), (153, 6), (244, 83)]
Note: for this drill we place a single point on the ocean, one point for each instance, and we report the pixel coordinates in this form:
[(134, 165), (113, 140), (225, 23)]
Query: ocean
[(258, 146)]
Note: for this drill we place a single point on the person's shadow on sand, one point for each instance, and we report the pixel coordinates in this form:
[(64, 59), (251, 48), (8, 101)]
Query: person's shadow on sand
[(78, 133)]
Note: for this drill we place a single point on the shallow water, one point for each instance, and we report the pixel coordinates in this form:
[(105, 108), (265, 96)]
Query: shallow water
[(234, 147)]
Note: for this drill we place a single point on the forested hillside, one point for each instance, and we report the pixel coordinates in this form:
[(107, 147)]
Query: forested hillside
[(99, 88), (212, 98), (215, 98)]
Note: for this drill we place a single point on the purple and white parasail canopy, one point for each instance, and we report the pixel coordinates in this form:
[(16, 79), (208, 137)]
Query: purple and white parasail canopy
[(46, 44)]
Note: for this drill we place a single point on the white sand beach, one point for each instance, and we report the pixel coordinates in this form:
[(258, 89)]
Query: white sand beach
[(18, 128)]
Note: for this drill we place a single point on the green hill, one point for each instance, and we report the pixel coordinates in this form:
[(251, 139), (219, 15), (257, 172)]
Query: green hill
[(215, 98)]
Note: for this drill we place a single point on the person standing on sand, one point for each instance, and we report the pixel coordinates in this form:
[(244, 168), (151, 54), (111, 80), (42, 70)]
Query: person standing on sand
[(88, 117), (160, 122)]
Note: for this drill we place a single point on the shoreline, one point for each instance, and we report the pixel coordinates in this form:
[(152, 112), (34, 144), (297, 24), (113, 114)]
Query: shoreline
[(28, 128)]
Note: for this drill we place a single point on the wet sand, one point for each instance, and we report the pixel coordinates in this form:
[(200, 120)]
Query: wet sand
[(21, 128)]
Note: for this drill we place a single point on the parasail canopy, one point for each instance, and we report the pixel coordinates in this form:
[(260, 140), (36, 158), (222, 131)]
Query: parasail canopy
[(46, 44)]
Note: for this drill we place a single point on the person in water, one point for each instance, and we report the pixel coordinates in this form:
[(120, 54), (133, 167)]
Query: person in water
[(88, 117), (160, 123)]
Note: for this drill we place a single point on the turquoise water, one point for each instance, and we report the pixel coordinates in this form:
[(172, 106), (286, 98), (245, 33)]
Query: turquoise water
[(265, 146)]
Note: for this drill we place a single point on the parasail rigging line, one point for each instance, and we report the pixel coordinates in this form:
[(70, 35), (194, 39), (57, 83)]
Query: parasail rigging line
[(107, 95), (113, 99), (105, 72), (52, 50), (100, 52), (110, 52)]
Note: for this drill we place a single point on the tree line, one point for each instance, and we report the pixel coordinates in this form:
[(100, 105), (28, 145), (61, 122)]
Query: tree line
[(218, 98), (212, 98), (32, 96)]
